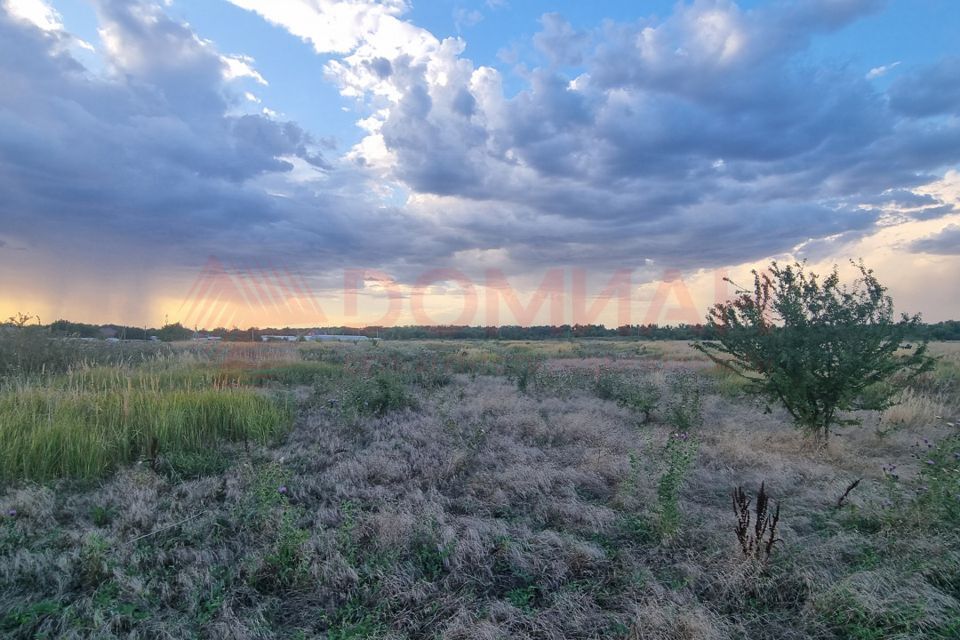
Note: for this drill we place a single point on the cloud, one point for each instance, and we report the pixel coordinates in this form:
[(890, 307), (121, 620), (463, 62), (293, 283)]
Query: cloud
[(239, 66), (464, 18), (36, 12), (331, 26), (701, 130), (879, 72), (945, 242), (929, 91), (156, 163), (559, 41), (702, 139)]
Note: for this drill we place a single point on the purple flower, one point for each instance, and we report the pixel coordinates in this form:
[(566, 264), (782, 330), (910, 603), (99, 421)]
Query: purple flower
[(931, 462), (282, 489), (12, 513)]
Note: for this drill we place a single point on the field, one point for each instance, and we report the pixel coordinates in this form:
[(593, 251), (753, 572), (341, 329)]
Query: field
[(564, 489)]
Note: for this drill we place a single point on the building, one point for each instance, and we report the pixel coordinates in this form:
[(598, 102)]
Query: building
[(329, 338)]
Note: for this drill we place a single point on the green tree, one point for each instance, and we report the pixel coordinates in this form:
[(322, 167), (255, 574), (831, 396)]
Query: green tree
[(174, 332), (814, 344)]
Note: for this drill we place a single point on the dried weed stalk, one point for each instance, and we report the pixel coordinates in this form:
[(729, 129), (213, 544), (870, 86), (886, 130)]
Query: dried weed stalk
[(759, 542)]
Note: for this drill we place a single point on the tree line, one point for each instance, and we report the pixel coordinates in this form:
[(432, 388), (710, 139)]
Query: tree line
[(940, 331)]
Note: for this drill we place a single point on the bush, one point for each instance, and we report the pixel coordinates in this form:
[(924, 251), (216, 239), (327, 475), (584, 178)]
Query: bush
[(522, 369), (639, 396), (377, 395), (684, 411), (815, 345)]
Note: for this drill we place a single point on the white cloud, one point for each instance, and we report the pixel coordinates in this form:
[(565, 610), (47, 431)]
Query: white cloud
[(466, 18), (37, 12), (331, 26), (239, 66), (879, 72)]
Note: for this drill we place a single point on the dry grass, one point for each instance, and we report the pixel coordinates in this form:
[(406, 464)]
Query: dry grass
[(483, 512), (913, 410)]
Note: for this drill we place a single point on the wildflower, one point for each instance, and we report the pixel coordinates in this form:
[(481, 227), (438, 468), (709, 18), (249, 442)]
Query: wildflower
[(282, 489), (931, 462), (12, 513)]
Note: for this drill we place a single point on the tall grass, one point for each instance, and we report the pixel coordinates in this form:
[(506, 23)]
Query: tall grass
[(89, 421), (48, 433)]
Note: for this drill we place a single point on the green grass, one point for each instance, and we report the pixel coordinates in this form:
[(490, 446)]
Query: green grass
[(170, 375), (292, 373), (86, 425)]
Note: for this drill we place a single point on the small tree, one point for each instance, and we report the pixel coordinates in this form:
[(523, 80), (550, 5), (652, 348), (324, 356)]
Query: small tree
[(815, 344)]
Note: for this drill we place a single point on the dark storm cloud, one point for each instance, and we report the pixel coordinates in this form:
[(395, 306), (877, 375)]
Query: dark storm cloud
[(946, 242), (152, 163), (704, 139)]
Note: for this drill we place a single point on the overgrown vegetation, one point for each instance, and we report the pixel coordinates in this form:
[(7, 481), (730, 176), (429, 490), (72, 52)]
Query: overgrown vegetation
[(420, 493)]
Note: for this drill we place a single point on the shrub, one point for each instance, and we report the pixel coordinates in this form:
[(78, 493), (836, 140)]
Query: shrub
[(522, 369), (814, 345), (639, 396), (377, 395), (684, 411)]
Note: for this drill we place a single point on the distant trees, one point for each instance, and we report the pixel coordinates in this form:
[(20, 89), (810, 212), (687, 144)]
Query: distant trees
[(948, 330), (173, 332), (74, 329), (816, 345)]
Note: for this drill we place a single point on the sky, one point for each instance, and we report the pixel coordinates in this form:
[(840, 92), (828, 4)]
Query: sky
[(312, 162)]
